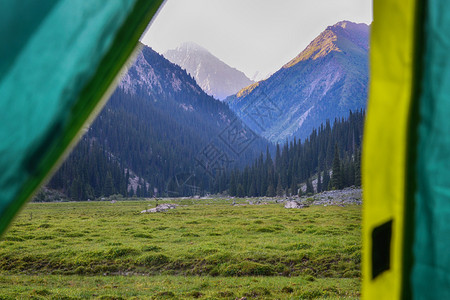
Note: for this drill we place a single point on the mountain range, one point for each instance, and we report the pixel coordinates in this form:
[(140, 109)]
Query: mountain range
[(158, 126), (214, 76), (325, 81)]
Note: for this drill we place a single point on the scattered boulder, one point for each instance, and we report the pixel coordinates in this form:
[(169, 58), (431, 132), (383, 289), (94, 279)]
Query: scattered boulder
[(294, 204), (160, 208), (347, 196), (342, 197)]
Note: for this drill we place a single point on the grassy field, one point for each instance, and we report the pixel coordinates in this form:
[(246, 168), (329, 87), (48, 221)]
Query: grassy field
[(204, 249)]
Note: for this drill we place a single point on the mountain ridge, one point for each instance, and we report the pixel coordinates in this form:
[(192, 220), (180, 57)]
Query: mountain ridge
[(324, 81)]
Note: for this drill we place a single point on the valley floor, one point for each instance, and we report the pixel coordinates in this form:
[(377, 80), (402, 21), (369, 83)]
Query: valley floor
[(175, 287), (204, 248)]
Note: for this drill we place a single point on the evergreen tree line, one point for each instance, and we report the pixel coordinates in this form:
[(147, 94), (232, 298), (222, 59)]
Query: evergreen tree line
[(90, 172), (158, 139), (155, 138), (331, 156)]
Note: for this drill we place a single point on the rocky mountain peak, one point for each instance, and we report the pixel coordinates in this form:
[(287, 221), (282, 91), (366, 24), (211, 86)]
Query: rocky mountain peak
[(214, 76), (340, 37)]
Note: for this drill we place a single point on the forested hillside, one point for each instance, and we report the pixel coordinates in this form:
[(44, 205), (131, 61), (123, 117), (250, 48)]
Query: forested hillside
[(334, 148), (156, 125)]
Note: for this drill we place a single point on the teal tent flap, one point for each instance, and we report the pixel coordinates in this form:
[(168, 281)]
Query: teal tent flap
[(58, 60), (431, 270)]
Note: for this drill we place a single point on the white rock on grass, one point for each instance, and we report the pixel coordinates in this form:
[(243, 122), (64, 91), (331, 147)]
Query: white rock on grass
[(294, 204), (160, 208)]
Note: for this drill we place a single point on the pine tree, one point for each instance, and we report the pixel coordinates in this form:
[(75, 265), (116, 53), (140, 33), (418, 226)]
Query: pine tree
[(300, 193), (351, 173), (73, 192), (240, 190), (309, 187), (326, 179), (109, 185), (89, 192), (270, 191), (278, 158), (336, 177), (294, 186), (280, 191), (252, 190), (358, 169), (319, 182), (269, 161), (233, 185), (138, 191)]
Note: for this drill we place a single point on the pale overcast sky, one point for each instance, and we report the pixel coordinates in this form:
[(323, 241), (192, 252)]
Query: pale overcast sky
[(250, 35)]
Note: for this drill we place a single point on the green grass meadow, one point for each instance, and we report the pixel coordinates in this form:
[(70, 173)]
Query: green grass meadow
[(206, 249)]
